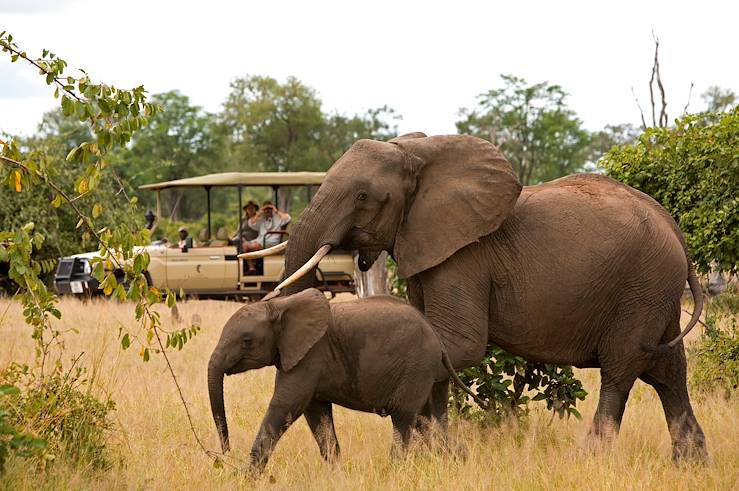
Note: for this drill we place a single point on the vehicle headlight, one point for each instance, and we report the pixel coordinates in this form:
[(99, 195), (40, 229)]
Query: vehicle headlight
[(86, 268)]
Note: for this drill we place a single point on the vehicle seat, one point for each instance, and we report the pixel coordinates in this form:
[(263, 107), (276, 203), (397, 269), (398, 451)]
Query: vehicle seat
[(222, 238), (202, 240)]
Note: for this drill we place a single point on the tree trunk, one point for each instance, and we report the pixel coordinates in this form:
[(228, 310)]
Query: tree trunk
[(374, 281)]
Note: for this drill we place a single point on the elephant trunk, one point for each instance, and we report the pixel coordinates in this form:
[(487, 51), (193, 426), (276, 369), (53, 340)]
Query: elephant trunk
[(317, 227), (215, 391)]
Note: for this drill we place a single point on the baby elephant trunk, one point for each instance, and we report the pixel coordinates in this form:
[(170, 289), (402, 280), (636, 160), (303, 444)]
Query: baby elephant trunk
[(458, 382), (215, 391)]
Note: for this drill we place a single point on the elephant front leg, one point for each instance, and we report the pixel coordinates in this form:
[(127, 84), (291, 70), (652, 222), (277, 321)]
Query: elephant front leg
[(455, 296), (319, 416), (274, 425), (293, 393)]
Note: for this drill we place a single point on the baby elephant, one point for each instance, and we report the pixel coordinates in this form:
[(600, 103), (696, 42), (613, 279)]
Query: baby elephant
[(375, 355)]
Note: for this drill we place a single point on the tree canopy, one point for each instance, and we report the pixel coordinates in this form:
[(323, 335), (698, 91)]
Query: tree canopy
[(541, 137), (281, 126)]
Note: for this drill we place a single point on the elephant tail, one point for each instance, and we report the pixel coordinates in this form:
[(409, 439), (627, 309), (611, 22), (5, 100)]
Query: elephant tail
[(697, 291), (458, 382)]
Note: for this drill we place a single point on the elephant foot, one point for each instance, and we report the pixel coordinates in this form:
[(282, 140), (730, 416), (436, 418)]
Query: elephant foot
[(691, 450)]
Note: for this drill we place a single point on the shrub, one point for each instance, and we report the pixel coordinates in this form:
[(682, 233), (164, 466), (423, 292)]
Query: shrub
[(61, 409), (714, 359), (11, 438)]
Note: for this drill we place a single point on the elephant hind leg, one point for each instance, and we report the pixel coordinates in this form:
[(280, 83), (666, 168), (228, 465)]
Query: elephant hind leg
[(320, 418), (614, 392), (668, 377), (403, 423)]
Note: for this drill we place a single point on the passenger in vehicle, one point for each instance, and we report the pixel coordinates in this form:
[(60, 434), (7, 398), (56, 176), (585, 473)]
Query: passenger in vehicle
[(272, 222), (249, 229), (249, 233), (185, 242)]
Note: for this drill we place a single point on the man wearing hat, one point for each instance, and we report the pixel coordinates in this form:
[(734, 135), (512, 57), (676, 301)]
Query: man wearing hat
[(270, 219), (185, 241)]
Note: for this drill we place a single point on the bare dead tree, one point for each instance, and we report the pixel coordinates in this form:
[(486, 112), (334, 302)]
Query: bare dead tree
[(690, 93), (656, 77)]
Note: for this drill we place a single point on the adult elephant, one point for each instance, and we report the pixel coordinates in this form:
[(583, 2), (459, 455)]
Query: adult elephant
[(582, 270)]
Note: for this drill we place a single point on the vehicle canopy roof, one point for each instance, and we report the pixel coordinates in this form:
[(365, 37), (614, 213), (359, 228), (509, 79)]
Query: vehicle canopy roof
[(243, 179)]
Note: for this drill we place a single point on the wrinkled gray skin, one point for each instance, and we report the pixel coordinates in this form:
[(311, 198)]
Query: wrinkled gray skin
[(582, 270), (375, 355)]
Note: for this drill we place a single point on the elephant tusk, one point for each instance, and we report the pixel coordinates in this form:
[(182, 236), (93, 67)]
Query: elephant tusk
[(264, 252), (312, 263)]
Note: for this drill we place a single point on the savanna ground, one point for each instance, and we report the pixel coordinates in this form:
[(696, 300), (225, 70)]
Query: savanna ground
[(152, 447)]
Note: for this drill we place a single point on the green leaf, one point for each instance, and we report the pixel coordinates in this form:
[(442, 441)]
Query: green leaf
[(126, 341), (170, 299), (98, 271), (138, 264), (97, 210)]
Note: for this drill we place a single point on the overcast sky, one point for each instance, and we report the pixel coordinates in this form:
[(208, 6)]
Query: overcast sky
[(424, 59)]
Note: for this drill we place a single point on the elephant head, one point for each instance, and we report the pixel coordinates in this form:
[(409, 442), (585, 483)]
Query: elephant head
[(419, 198), (279, 332)]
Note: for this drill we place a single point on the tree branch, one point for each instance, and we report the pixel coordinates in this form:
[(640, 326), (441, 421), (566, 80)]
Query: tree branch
[(641, 112), (23, 55), (690, 93), (656, 75)]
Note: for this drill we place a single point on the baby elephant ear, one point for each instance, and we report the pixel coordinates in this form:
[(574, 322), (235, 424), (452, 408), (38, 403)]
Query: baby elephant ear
[(301, 320)]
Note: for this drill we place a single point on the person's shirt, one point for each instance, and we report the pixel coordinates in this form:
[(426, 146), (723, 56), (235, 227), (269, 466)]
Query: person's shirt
[(249, 228), (274, 224), (186, 242)]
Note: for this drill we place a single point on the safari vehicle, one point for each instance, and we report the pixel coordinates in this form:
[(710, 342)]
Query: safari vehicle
[(211, 268)]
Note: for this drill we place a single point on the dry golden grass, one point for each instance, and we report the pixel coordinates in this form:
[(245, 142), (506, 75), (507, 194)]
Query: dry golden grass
[(153, 447)]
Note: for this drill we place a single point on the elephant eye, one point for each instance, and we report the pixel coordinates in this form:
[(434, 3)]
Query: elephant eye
[(361, 196)]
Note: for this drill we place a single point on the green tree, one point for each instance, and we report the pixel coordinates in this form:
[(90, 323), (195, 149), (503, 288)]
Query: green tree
[(57, 135), (541, 137), (719, 100), (692, 169), (178, 142), (275, 126), (611, 135), (342, 131)]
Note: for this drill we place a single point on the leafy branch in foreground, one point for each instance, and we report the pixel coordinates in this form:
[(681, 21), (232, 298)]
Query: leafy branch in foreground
[(113, 115), (506, 383)]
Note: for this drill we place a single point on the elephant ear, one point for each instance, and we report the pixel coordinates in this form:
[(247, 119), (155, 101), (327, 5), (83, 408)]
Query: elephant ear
[(465, 189), (301, 320)]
